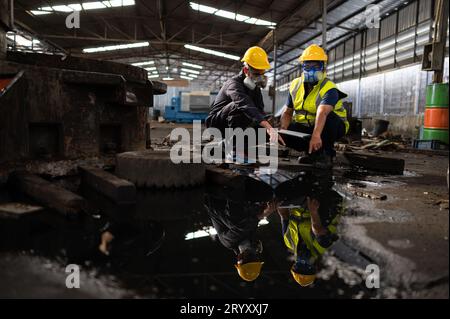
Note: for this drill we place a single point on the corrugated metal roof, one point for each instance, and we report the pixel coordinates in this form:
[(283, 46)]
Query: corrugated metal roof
[(184, 25), (313, 33)]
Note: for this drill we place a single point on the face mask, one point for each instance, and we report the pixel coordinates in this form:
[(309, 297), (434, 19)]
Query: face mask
[(252, 80), (313, 74), (261, 81), (249, 83)]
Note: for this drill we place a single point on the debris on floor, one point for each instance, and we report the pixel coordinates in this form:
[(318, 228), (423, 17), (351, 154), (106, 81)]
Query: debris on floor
[(370, 195), (385, 142), (16, 210), (443, 204), (377, 163), (161, 119)]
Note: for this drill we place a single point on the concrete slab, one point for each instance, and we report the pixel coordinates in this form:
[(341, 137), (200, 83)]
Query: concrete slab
[(47, 194), (377, 163), (117, 189), (155, 169), (16, 210)]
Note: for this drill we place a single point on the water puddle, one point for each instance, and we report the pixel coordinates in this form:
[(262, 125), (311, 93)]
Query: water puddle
[(265, 241)]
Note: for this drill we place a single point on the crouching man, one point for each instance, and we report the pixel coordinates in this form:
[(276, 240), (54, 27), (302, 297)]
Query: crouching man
[(314, 106), (239, 103)]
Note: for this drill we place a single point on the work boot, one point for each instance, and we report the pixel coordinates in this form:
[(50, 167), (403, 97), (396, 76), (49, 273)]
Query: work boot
[(305, 159), (321, 161)]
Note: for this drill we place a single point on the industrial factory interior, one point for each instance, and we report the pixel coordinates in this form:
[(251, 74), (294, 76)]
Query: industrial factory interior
[(214, 150)]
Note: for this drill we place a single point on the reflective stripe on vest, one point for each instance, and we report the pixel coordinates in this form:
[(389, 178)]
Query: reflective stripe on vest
[(300, 227), (306, 108)]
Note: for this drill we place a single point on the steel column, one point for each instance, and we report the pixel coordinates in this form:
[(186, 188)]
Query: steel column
[(324, 24)]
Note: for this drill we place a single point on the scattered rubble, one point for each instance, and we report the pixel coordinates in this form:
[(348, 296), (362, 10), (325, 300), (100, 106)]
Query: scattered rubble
[(384, 142), (443, 204), (66, 167), (370, 195)]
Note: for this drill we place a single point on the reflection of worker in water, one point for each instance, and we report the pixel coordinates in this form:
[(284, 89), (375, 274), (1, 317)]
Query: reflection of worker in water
[(131, 239), (236, 224), (308, 230)]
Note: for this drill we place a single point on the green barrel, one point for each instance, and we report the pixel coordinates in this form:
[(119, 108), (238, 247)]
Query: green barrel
[(436, 103), (435, 134), (437, 95)]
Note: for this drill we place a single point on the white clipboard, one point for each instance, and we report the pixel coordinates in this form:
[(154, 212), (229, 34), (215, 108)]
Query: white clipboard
[(293, 133)]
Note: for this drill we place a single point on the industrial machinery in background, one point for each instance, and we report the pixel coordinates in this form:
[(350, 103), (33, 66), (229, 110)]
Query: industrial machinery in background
[(57, 106), (72, 107), (189, 106)]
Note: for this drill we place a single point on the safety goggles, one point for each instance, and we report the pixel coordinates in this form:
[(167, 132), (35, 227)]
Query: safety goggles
[(312, 66), (258, 77), (256, 72)]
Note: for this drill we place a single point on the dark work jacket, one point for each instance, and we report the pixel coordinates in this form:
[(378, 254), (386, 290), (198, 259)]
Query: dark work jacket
[(235, 98), (234, 222)]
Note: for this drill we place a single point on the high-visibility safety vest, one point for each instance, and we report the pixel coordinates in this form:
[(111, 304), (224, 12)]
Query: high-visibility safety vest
[(306, 107), (299, 228)]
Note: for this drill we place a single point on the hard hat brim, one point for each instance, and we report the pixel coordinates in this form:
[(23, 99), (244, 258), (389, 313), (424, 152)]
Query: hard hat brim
[(258, 66), (303, 280), (313, 59)]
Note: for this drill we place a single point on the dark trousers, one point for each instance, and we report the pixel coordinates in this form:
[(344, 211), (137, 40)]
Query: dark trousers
[(333, 130), (231, 117)]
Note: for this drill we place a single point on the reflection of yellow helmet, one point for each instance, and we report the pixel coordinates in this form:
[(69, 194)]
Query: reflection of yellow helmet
[(257, 58), (313, 53), (303, 280), (249, 271)]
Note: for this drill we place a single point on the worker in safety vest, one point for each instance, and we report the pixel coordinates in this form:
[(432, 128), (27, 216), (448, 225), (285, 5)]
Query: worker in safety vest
[(236, 223), (314, 106), (239, 103), (308, 231)]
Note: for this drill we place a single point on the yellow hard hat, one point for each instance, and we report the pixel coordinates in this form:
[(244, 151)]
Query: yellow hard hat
[(313, 53), (303, 280), (249, 271), (257, 58)]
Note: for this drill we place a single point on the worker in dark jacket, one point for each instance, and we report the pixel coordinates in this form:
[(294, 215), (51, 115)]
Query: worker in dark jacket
[(239, 103), (236, 223)]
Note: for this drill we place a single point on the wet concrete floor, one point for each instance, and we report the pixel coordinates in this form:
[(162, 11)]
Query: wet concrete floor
[(180, 244)]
